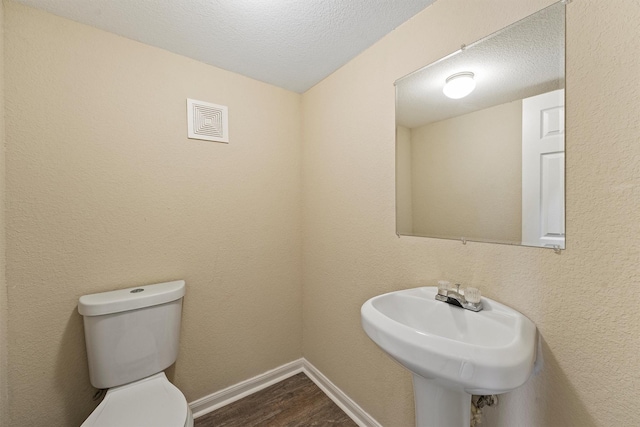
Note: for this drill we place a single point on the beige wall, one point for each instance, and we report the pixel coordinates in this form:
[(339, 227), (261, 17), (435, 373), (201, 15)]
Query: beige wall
[(104, 190), (466, 176), (4, 398), (404, 204), (589, 323)]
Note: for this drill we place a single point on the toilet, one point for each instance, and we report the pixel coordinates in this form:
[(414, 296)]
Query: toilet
[(132, 337)]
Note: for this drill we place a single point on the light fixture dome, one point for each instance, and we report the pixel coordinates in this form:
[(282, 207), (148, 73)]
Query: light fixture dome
[(459, 85)]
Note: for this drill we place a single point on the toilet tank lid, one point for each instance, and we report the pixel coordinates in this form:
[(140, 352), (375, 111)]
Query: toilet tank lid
[(130, 298)]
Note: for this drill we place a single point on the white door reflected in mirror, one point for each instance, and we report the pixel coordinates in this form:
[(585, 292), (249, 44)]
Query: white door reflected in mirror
[(543, 170)]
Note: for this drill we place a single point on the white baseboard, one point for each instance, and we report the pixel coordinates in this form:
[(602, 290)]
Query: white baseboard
[(229, 395), (351, 408), (237, 391)]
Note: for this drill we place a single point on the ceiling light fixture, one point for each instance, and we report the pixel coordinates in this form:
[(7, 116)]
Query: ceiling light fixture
[(459, 85)]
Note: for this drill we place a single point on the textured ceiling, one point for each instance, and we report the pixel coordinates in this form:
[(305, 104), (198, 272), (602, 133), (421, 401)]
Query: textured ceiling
[(522, 60), (289, 43)]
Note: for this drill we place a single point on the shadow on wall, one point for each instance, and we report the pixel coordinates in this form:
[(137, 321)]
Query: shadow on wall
[(548, 399), (73, 388)]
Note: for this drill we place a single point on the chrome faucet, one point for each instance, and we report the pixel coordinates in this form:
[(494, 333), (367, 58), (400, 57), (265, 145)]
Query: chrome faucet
[(468, 298)]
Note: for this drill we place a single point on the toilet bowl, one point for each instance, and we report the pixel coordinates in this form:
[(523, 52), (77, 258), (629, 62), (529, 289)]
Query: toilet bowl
[(131, 337), (152, 402)]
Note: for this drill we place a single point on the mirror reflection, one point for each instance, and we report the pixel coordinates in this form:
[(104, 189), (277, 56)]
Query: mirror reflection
[(480, 139)]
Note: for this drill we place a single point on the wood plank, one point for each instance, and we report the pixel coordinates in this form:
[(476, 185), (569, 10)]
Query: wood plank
[(294, 402)]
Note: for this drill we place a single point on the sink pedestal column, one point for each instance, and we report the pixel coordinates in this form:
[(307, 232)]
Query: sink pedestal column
[(438, 406)]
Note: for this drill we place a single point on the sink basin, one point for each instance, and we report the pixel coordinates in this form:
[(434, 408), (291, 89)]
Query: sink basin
[(452, 352)]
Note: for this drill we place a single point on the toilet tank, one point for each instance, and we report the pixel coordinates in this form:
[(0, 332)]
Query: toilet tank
[(131, 333)]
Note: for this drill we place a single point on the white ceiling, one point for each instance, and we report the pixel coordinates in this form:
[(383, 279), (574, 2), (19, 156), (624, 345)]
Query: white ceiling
[(293, 44)]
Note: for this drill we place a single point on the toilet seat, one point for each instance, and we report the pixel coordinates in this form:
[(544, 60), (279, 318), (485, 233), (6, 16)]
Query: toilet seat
[(150, 402)]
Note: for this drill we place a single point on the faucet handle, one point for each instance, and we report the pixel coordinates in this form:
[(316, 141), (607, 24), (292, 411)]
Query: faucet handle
[(443, 287), (472, 295)]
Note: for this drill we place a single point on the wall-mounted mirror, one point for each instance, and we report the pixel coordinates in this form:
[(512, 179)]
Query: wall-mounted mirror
[(488, 166)]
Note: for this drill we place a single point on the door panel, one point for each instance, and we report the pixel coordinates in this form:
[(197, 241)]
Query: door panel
[(543, 217)]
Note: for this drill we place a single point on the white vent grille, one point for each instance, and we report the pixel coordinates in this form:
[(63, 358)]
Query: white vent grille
[(207, 121)]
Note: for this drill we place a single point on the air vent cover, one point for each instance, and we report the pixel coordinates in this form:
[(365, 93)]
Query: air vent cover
[(207, 121)]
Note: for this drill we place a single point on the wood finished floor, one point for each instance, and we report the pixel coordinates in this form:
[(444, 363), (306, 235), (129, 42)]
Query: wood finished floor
[(294, 402)]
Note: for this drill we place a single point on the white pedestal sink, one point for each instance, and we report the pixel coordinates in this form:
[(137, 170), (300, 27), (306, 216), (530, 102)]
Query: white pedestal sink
[(452, 353)]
